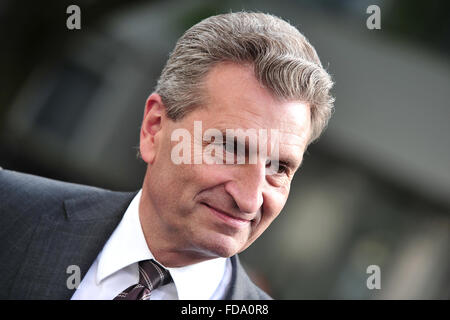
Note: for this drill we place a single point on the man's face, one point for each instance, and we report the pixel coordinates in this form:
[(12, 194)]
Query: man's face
[(215, 210)]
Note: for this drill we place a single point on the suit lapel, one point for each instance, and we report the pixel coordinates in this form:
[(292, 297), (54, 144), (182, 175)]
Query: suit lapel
[(62, 240), (239, 281), (241, 287)]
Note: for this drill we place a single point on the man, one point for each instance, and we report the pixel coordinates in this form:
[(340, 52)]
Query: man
[(179, 236)]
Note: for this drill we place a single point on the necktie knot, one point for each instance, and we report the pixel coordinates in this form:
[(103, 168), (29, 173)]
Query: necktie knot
[(151, 276)]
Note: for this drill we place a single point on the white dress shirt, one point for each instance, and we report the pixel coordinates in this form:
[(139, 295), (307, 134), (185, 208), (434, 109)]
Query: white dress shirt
[(116, 268)]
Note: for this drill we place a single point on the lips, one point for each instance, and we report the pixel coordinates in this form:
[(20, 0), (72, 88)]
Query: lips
[(227, 217)]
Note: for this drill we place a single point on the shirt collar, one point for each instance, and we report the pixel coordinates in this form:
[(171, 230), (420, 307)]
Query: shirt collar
[(127, 245), (205, 277)]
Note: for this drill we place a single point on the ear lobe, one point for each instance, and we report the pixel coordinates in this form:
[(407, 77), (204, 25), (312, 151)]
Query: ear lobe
[(151, 126)]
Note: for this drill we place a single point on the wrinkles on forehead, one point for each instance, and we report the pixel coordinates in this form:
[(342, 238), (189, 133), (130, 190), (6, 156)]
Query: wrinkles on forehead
[(234, 99)]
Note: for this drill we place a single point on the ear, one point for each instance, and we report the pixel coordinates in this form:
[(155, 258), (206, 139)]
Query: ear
[(151, 126)]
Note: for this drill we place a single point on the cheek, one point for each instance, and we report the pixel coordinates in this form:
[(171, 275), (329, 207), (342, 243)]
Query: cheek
[(273, 204), (211, 175)]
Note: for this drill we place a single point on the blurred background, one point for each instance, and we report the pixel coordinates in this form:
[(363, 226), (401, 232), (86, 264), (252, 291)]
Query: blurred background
[(375, 189)]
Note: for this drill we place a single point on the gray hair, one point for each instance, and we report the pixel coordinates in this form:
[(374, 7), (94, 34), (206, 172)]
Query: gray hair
[(283, 60)]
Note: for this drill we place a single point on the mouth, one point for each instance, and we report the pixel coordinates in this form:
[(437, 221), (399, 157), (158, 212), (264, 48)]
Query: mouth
[(228, 218)]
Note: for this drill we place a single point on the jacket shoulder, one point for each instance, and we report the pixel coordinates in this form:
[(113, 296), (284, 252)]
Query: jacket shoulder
[(13, 182), (27, 197), (43, 223)]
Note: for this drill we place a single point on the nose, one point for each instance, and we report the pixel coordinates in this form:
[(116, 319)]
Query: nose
[(247, 186)]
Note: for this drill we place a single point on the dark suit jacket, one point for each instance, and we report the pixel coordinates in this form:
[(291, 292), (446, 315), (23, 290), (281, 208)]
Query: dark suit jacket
[(48, 225)]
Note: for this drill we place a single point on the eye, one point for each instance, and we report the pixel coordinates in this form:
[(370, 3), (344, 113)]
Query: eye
[(234, 147), (282, 168), (229, 147)]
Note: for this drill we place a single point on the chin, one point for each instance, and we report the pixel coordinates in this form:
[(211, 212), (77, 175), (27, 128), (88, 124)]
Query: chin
[(221, 246)]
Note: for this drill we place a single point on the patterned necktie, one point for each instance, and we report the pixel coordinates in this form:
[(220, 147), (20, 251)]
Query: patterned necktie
[(151, 276)]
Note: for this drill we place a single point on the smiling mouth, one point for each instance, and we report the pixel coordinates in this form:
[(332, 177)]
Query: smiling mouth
[(227, 218)]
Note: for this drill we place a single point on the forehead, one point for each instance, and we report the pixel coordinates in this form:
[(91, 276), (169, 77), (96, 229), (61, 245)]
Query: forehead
[(235, 99)]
